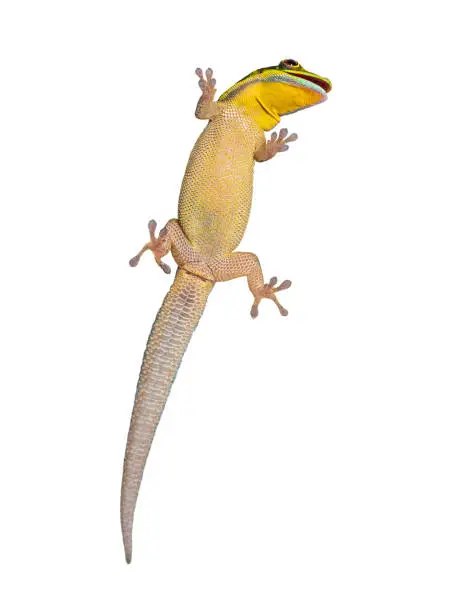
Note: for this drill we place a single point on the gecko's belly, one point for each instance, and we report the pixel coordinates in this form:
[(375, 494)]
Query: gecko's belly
[(215, 203)]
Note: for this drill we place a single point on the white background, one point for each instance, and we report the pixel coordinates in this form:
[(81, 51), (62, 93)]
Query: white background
[(302, 464)]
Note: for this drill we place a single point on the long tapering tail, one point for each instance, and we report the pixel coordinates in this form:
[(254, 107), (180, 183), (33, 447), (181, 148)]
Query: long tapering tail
[(169, 337)]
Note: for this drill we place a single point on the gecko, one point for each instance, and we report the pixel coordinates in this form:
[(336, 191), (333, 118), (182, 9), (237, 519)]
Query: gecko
[(213, 209)]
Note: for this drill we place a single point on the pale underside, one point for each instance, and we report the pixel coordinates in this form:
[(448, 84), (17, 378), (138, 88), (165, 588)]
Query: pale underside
[(216, 194)]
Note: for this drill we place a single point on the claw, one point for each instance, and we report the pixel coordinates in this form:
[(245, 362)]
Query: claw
[(206, 82), (268, 291), (278, 143), (152, 227), (286, 284), (164, 267), (283, 311), (254, 311), (158, 246)]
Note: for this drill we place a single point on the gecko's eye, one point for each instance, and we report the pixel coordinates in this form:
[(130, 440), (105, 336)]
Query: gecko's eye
[(290, 63)]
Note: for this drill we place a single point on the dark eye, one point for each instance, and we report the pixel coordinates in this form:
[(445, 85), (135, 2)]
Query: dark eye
[(290, 63)]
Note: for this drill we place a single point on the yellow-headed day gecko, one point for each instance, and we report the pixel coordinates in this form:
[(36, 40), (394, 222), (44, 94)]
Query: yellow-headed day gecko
[(214, 206)]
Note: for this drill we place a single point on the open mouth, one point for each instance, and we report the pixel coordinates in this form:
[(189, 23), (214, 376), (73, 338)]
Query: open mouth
[(326, 85)]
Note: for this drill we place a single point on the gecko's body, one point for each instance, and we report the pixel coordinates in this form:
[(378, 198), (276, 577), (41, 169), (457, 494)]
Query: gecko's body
[(214, 207), (216, 194)]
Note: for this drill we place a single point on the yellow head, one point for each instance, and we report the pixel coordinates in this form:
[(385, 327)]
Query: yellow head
[(269, 93)]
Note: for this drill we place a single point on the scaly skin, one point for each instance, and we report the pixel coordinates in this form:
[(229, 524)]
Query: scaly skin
[(214, 207)]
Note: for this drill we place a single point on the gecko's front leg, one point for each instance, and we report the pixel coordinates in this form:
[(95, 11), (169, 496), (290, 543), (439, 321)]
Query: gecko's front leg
[(207, 108), (276, 144)]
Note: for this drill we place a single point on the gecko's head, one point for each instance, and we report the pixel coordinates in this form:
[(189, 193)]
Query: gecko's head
[(269, 93)]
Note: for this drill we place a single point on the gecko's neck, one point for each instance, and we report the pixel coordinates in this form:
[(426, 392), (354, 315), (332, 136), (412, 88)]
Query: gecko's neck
[(260, 112), (264, 115)]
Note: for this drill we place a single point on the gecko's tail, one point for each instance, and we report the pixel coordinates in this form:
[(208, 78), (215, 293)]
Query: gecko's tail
[(169, 337)]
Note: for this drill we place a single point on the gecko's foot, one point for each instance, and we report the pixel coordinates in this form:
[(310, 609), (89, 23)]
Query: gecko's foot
[(158, 246), (207, 84), (277, 144), (268, 291)]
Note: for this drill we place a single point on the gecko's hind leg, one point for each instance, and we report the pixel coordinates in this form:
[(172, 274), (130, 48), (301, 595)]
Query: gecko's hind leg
[(158, 246), (172, 238), (247, 264)]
